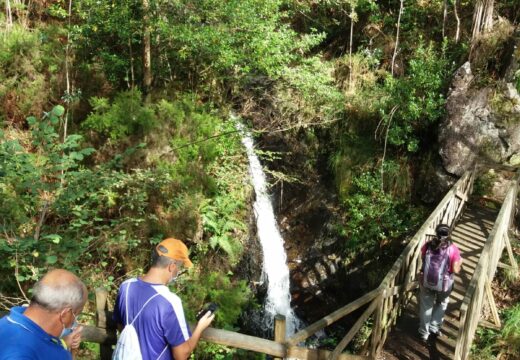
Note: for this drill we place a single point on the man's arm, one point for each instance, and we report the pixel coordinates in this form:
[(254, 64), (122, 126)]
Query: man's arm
[(183, 351)]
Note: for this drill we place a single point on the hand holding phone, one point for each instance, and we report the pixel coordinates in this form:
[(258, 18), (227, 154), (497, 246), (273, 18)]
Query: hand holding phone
[(211, 307)]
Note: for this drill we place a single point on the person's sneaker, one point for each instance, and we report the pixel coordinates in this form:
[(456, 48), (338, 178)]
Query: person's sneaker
[(436, 335), (422, 339)]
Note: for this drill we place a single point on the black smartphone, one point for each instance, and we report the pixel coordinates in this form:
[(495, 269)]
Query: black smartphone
[(211, 307)]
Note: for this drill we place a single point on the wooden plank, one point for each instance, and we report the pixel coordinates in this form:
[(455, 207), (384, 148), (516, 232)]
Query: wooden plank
[(376, 331), (492, 304), (512, 259), (101, 305), (506, 266), (279, 329), (489, 325), (97, 335), (296, 352), (232, 339), (105, 349), (354, 329), (333, 317), (242, 341)]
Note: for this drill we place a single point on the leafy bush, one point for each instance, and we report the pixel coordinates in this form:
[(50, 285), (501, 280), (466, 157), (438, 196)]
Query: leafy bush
[(126, 116), (503, 344), (307, 95), (415, 101), (34, 176), (373, 217), (24, 86), (231, 296)]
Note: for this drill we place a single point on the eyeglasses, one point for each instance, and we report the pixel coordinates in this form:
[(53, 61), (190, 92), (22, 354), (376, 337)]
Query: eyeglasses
[(77, 319)]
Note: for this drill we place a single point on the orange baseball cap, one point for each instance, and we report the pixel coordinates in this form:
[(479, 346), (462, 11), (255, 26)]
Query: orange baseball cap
[(174, 249)]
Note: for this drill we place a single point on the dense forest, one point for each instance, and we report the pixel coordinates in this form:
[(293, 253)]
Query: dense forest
[(119, 128)]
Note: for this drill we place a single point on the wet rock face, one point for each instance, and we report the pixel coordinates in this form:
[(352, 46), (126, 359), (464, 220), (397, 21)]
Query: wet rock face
[(482, 123)]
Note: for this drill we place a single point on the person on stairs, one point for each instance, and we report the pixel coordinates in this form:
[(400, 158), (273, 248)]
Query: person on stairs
[(147, 304), (440, 260)]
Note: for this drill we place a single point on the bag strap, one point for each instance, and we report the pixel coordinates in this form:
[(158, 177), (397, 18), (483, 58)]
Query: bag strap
[(448, 259), (139, 312)]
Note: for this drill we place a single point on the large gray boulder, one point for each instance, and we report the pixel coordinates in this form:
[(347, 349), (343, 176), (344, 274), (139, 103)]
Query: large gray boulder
[(482, 124)]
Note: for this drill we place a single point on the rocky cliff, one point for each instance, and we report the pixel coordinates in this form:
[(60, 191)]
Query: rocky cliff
[(483, 117)]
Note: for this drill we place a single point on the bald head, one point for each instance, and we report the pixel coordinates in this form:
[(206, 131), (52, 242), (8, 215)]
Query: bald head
[(59, 289)]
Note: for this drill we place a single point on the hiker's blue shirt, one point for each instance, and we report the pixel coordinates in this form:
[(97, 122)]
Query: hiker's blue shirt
[(22, 339)]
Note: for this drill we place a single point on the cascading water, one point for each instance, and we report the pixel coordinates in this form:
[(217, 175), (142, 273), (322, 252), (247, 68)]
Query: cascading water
[(275, 268)]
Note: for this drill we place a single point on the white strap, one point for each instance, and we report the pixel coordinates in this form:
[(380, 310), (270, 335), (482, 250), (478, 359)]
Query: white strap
[(126, 302), (139, 313), (162, 352)]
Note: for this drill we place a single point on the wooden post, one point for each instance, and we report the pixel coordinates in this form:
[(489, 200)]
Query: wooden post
[(512, 259), (105, 350), (492, 305), (279, 329), (376, 331)]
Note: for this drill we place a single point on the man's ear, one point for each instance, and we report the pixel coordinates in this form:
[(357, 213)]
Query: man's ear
[(63, 314)]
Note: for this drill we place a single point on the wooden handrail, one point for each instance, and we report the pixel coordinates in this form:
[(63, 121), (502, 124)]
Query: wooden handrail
[(333, 317), (232, 339), (484, 273)]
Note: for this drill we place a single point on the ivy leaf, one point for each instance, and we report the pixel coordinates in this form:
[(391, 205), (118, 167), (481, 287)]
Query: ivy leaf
[(31, 120), (58, 110), (55, 238), (76, 156), (51, 259), (54, 119)]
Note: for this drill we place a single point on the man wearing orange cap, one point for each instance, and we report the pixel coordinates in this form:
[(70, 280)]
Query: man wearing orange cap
[(155, 312)]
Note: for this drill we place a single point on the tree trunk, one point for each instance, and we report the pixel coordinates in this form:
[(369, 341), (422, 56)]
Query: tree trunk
[(67, 78), (21, 12), (350, 84), (401, 7), (132, 74), (444, 17), (8, 15), (456, 11), (147, 57), (482, 17)]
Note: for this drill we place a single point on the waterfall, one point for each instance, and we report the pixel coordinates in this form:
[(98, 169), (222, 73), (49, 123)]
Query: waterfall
[(275, 269)]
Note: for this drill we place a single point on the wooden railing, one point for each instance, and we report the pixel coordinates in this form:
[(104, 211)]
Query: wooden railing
[(383, 304), (480, 286), (104, 333)]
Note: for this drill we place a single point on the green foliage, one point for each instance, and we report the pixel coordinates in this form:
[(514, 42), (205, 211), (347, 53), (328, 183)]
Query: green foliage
[(34, 177), (110, 33), (232, 38), (415, 101), (373, 217), (126, 116), (209, 41), (219, 219), (484, 184), (307, 94), (230, 295), (517, 80), (506, 342), (27, 60)]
